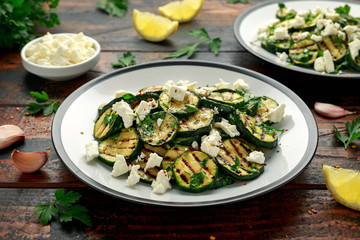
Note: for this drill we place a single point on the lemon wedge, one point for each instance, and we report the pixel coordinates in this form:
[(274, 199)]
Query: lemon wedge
[(182, 11), (153, 28), (343, 184)]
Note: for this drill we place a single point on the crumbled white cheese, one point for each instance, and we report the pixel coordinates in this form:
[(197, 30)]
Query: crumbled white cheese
[(276, 114), (183, 82), (300, 36), (240, 84), (222, 84), (321, 23), (168, 84), (329, 63), (120, 166), (134, 176), (297, 22), (354, 48), (329, 30), (203, 91), (159, 121), (195, 145), (227, 127), (216, 110), (256, 157), (92, 150), (153, 161), (191, 86), (319, 64), (203, 116), (142, 110), (61, 50), (121, 93), (316, 38), (177, 92), (263, 29), (161, 183), (351, 29), (304, 13), (282, 56), (263, 35), (341, 34), (332, 15), (209, 144), (281, 33), (124, 110)]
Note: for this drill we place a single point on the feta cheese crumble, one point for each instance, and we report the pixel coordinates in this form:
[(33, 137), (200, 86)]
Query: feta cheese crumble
[(319, 64), (177, 92), (161, 183), (329, 63), (153, 161), (142, 110), (204, 91), (60, 50), (256, 157), (134, 176), (281, 33), (92, 150), (222, 84), (227, 127), (159, 122), (276, 114), (124, 110), (120, 166), (209, 144), (354, 48), (282, 56), (240, 84)]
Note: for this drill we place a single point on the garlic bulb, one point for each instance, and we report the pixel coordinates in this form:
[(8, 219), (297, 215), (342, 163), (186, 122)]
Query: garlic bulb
[(330, 110), (10, 134), (29, 162)]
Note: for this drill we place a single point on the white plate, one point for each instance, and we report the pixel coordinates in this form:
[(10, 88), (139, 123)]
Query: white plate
[(248, 23), (78, 112)]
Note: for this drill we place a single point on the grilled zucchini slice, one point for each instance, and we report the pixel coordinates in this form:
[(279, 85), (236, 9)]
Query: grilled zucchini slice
[(107, 124), (232, 159), (304, 52), (309, 25), (266, 105), (170, 156), (273, 45), (336, 46), (254, 133), (179, 108), (152, 89), (187, 141), (220, 107), (197, 124), (157, 132), (195, 171), (126, 143), (285, 13), (151, 173), (226, 96), (353, 62)]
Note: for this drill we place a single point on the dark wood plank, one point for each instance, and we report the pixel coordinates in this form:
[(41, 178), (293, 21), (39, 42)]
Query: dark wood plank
[(278, 215)]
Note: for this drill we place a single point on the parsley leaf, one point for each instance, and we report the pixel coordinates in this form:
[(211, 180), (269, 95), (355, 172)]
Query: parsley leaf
[(125, 61), (202, 35), (48, 107), (237, 1), (113, 7), (18, 18), (196, 179), (62, 205), (353, 130)]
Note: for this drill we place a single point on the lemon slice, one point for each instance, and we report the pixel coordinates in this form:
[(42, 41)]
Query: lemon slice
[(182, 11), (343, 184), (153, 28)]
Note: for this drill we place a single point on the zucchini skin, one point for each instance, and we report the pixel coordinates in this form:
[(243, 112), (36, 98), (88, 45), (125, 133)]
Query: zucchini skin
[(101, 130), (353, 63), (189, 166), (234, 151), (336, 47), (299, 48), (244, 123), (221, 107), (195, 125), (179, 109), (120, 144)]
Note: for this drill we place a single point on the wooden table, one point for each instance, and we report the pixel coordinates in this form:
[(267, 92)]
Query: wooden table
[(283, 213)]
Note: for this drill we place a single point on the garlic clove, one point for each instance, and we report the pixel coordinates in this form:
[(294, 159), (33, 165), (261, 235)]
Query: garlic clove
[(330, 110), (10, 134), (29, 162)]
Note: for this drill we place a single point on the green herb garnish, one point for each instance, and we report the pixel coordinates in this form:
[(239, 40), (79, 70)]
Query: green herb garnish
[(236, 165), (203, 163), (237, 1), (202, 35), (48, 106), (191, 108), (353, 130), (63, 205), (269, 130), (18, 19), (125, 61), (113, 7), (196, 180)]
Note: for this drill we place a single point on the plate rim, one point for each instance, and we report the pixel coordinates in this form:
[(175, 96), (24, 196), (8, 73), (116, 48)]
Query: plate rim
[(301, 165), (241, 41)]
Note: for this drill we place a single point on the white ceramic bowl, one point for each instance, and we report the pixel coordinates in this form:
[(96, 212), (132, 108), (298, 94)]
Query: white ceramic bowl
[(60, 73)]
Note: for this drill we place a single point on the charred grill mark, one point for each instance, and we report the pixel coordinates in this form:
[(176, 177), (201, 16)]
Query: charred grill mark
[(184, 178), (303, 47), (187, 164), (223, 160), (236, 149)]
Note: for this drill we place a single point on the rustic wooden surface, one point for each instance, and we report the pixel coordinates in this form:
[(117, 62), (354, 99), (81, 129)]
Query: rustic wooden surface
[(283, 213)]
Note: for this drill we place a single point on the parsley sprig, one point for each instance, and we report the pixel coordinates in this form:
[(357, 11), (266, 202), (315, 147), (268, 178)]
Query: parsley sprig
[(125, 61), (353, 130), (113, 7), (203, 37), (47, 105), (63, 205), (237, 1)]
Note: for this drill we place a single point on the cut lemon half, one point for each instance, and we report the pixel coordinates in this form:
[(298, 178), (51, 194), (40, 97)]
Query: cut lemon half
[(153, 28), (343, 184), (182, 11)]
